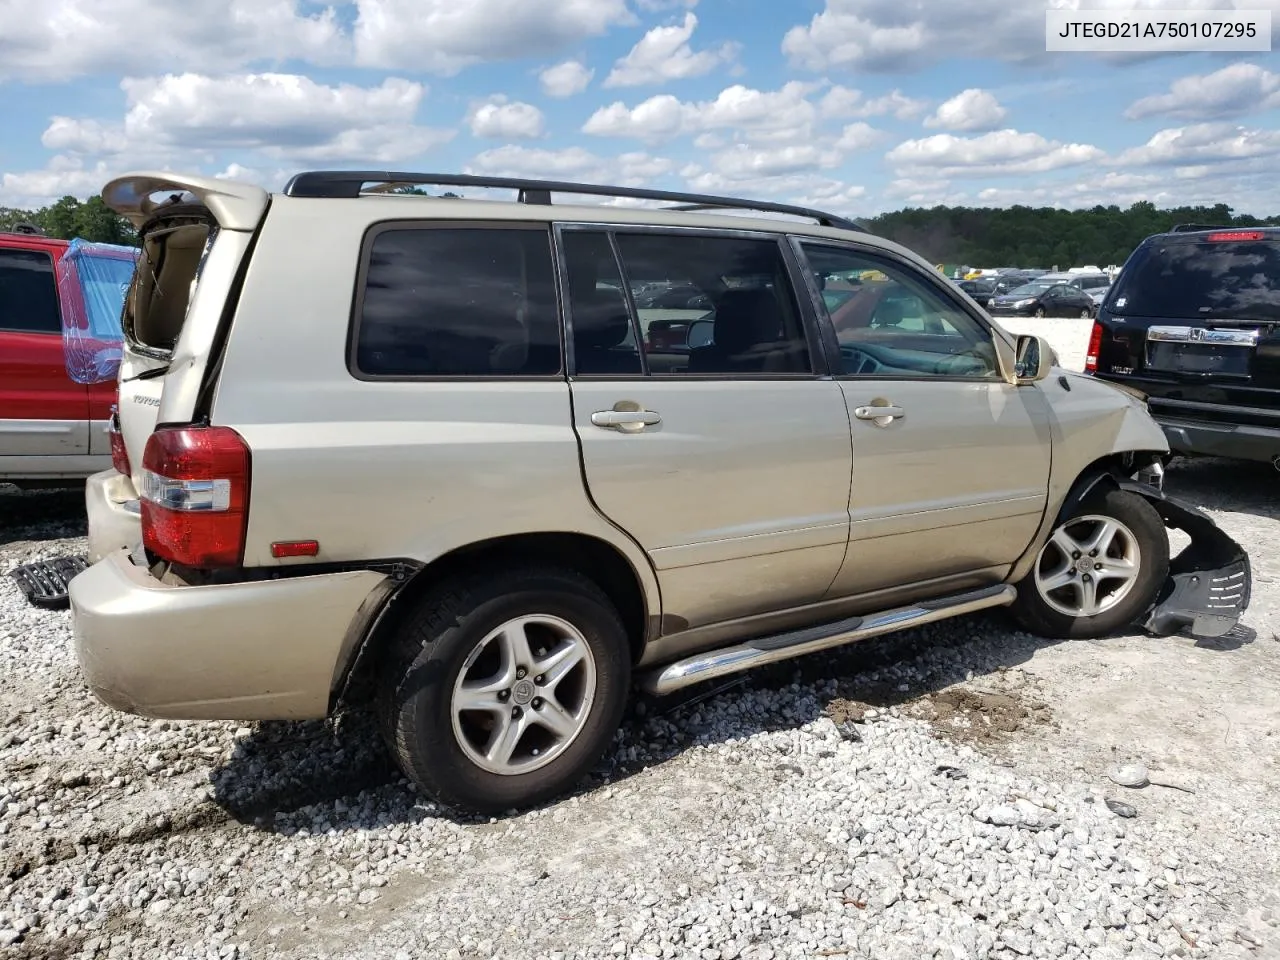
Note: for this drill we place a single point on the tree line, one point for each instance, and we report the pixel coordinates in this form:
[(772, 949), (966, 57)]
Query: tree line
[(1039, 237), (981, 236)]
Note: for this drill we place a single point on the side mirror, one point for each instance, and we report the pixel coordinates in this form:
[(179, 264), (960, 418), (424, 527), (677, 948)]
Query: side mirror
[(701, 334), (1034, 359)]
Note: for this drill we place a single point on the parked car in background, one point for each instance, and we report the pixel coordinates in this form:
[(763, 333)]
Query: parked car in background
[(1193, 322), (1094, 284), (1043, 298), (58, 357), (980, 290)]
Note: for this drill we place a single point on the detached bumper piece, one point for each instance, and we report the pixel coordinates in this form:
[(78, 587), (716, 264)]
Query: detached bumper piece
[(1209, 581), (44, 582)]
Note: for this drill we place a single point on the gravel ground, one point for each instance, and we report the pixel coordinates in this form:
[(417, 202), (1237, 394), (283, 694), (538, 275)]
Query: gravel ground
[(942, 793)]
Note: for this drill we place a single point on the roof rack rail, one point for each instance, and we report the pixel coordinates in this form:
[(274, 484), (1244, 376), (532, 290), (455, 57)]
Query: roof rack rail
[(335, 184), (1195, 227)]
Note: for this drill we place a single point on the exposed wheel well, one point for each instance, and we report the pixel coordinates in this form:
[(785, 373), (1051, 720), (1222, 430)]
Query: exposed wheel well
[(1106, 469), (587, 555)]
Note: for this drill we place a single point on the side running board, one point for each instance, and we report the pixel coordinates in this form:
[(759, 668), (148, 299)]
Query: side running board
[(797, 643)]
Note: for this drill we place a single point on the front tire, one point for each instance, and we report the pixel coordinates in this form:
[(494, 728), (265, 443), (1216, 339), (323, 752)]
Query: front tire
[(1099, 571), (502, 691), (1039, 314)]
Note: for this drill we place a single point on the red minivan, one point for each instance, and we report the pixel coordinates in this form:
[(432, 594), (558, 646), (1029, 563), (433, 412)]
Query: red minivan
[(51, 426)]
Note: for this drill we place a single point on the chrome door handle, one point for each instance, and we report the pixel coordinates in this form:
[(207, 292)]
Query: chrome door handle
[(628, 421), (880, 416)]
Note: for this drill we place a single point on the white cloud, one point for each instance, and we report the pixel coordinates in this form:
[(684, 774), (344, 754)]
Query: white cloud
[(1234, 90), (998, 152), (1202, 143), (742, 162), (60, 39), (777, 114), (858, 136), (444, 36), (654, 6), (565, 79), (805, 189), (285, 116), (501, 119), (572, 163), (664, 54), (843, 102), (889, 36), (971, 109)]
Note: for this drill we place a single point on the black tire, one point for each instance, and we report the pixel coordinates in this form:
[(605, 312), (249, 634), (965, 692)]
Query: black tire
[(1039, 313), (1086, 314), (417, 677), (1135, 513)]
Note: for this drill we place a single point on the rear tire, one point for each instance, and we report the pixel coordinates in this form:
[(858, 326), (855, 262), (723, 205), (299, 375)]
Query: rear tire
[(1073, 593), (502, 691)]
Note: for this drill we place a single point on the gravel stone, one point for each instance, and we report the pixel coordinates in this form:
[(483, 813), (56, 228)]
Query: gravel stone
[(746, 825)]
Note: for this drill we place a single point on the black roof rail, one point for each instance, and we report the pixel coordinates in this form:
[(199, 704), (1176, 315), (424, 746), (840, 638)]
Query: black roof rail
[(1196, 227), (337, 184)]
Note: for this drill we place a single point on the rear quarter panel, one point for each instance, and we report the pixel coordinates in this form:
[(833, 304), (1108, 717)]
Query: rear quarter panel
[(378, 470)]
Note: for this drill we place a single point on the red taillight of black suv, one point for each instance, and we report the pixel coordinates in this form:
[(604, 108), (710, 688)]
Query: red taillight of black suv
[(195, 496), (1095, 347)]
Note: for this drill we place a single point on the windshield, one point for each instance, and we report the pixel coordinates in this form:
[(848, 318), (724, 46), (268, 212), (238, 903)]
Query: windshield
[(1203, 279), (1030, 289)]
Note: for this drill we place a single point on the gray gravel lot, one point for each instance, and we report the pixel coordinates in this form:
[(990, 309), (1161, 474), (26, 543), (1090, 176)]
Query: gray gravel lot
[(941, 793)]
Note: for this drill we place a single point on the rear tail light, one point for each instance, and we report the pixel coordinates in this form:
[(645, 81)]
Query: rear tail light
[(1095, 347), (119, 453), (1229, 235), (195, 496)]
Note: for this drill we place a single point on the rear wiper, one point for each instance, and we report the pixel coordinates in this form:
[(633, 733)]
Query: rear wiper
[(149, 374)]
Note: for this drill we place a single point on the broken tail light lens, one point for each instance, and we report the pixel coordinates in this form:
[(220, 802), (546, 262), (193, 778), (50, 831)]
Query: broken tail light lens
[(195, 496)]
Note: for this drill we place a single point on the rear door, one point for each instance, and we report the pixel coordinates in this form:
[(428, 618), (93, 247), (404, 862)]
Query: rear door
[(192, 251), (729, 462), (42, 412), (950, 461)]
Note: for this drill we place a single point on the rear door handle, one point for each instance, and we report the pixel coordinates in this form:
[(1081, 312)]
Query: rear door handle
[(881, 416), (628, 421)]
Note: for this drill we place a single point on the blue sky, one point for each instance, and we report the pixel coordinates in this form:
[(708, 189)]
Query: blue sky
[(858, 106)]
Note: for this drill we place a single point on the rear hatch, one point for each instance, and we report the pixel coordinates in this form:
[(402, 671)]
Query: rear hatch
[(1196, 318), (195, 234)]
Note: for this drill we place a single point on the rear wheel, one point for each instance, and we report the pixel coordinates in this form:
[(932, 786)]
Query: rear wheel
[(503, 691), (1099, 571)]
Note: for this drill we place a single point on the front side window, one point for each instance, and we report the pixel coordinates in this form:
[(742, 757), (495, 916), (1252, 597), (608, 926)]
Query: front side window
[(714, 305), (28, 292), (471, 302), (891, 323)]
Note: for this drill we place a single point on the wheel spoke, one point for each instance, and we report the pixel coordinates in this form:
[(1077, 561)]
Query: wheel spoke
[(555, 718), (1056, 581), (480, 696), (505, 738), (1113, 568), (1088, 592), (1102, 538), (559, 663), (514, 643), (1066, 543)]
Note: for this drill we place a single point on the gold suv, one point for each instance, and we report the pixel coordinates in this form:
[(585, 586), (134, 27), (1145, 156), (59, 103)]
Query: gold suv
[(494, 464)]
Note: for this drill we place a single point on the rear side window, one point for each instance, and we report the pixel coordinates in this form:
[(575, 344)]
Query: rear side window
[(457, 302), (1228, 280), (28, 292)]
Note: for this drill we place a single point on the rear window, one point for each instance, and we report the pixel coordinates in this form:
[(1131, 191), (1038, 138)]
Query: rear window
[(1205, 279), (469, 302), (28, 292)]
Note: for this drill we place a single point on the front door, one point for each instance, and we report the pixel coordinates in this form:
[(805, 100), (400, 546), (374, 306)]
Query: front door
[(727, 460), (42, 412), (951, 462)]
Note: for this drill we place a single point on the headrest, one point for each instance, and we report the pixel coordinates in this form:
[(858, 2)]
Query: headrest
[(745, 318)]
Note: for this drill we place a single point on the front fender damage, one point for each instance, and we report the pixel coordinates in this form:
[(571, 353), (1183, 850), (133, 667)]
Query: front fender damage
[(1209, 581)]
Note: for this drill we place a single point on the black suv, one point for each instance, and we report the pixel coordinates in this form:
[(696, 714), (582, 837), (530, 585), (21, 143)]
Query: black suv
[(1193, 321)]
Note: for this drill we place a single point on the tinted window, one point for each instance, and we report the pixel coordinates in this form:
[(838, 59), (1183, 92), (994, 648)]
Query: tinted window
[(714, 305), (602, 339), (895, 323), (458, 302), (28, 292), (1233, 279)]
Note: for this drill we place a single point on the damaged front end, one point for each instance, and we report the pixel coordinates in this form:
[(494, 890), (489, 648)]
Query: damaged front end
[(1209, 581)]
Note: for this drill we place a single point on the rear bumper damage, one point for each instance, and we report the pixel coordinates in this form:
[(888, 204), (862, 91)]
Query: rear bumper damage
[(1209, 581)]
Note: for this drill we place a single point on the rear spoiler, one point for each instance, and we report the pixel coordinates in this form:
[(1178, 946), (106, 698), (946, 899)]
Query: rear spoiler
[(137, 197)]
